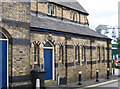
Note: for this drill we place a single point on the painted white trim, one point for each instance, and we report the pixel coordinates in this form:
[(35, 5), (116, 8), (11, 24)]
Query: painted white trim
[(48, 47), (4, 39), (7, 66), (4, 34), (53, 77), (53, 65)]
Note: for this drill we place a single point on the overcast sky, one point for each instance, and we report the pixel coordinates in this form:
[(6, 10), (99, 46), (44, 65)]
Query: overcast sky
[(101, 12)]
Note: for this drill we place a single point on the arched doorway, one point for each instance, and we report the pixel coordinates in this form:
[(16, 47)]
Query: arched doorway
[(49, 60), (3, 60)]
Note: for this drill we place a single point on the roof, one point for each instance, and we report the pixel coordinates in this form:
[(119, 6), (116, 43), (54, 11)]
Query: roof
[(101, 27), (73, 4), (63, 26)]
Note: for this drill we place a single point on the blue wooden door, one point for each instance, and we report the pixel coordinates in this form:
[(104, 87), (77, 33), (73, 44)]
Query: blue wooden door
[(48, 63), (3, 64)]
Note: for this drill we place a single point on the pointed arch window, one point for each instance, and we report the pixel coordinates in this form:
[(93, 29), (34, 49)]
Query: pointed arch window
[(83, 53), (61, 54), (36, 54), (103, 53), (71, 15), (77, 53), (98, 51), (75, 16)]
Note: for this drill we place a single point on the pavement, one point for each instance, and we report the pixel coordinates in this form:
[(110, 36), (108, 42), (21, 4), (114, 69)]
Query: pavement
[(75, 85), (90, 83), (107, 84), (50, 84)]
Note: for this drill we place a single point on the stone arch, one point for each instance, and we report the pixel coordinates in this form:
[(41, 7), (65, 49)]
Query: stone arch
[(50, 42), (7, 34)]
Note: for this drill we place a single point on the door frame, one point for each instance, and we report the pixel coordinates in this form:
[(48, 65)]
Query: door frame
[(7, 56), (53, 71)]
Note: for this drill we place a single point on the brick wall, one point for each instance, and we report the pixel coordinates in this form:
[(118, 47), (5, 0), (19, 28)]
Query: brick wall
[(73, 67), (60, 12), (16, 21)]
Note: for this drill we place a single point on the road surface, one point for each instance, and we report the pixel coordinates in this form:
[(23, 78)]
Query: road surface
[(113, 84)]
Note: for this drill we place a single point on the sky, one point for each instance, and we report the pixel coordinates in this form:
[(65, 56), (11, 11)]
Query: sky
[(101, 12)]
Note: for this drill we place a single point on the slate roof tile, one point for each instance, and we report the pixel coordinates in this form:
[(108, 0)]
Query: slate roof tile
[(63, 26)]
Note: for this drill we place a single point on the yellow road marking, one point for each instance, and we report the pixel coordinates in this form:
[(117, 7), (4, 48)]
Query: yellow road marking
[(101, 83)]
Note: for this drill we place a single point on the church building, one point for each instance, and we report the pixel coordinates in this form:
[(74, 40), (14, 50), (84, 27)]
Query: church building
[(54, 35)]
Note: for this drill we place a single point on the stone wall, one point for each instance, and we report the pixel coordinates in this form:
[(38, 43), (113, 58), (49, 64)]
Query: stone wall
[(60, 11), (73, 66), (16, 21)]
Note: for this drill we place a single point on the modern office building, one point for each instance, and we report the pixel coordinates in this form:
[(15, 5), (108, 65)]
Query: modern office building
[(113, 33)]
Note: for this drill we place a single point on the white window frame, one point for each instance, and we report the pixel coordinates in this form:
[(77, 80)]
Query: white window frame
[(53, 10)]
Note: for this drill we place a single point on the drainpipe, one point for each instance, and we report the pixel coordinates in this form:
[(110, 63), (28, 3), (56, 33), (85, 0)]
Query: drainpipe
[(66, 58), (91, 56)]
